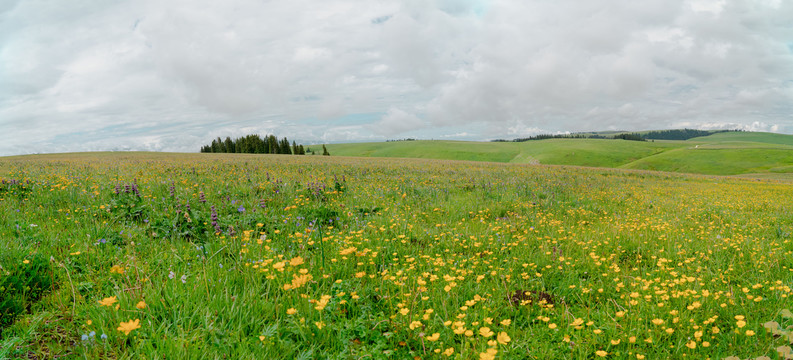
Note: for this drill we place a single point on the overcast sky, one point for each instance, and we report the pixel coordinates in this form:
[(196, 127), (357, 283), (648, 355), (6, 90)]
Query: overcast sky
[(82, 75)]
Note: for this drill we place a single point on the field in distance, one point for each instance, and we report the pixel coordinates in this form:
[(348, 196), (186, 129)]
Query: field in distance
[(153, 255), (733, 153)]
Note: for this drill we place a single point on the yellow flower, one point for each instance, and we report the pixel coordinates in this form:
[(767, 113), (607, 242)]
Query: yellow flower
[(601, 353), (691, 345), (296, 261), (705, 344), (117, 269), (323, 302), (127, 327), (433, 337), (639, 356), (261, 337), (108, 301), (448, 352), (749, 333), (615, 342), (506, 322), (141, 305), (319, 324), (740, 323), (485, 331), (291, 311), (715, 330), (658, 321), (503, 338), (490, 354), (26, 261), (414, 325)]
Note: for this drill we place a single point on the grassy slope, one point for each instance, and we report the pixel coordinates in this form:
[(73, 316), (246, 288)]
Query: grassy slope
[(415, 247), (757, 137), (726, 154), (588, 152), (430, 149), (731, 153)]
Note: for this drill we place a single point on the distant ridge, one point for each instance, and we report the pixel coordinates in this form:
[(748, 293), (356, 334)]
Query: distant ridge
[(674, 134), (714, 152)]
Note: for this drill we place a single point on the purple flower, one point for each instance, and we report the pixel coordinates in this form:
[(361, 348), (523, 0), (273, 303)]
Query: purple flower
[(240, 209)]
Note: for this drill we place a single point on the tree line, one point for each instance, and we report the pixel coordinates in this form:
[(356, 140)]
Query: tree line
[(676, 134), (255, 144), (680, 134), (553, 136)]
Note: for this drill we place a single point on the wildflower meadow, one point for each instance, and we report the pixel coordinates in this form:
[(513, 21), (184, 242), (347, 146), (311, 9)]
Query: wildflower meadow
[(163, 256)]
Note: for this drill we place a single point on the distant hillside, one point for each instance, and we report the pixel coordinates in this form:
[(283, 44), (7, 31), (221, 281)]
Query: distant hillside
[(674, 134), (720, 153)]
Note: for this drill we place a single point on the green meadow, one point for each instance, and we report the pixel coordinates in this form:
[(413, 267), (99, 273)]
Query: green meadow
[(731, 153), (170, 256)]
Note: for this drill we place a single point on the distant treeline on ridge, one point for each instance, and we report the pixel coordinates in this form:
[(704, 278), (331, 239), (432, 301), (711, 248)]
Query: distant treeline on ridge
[(255, 144), (676, 134)]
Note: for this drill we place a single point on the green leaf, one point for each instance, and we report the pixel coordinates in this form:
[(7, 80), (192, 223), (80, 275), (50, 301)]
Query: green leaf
[(270, 330), (305, 355)]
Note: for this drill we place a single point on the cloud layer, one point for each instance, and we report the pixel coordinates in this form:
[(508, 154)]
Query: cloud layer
[(154, 75)]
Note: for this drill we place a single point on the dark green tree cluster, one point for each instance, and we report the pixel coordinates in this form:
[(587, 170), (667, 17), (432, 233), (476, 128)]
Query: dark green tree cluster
[(630, 136), (254, 144)]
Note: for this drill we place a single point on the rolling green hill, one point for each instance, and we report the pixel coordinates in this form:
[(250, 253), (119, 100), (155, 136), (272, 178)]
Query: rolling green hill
[(730, 153)]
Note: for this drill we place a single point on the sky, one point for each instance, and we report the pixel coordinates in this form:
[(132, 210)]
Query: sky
[(153, 75)]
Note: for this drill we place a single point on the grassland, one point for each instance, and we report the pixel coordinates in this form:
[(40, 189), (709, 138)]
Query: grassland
[(733, 153), (280, 257)]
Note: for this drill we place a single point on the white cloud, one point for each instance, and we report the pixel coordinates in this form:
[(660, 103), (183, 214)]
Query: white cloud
[(87, 74), (754, 126), (397, 121)]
